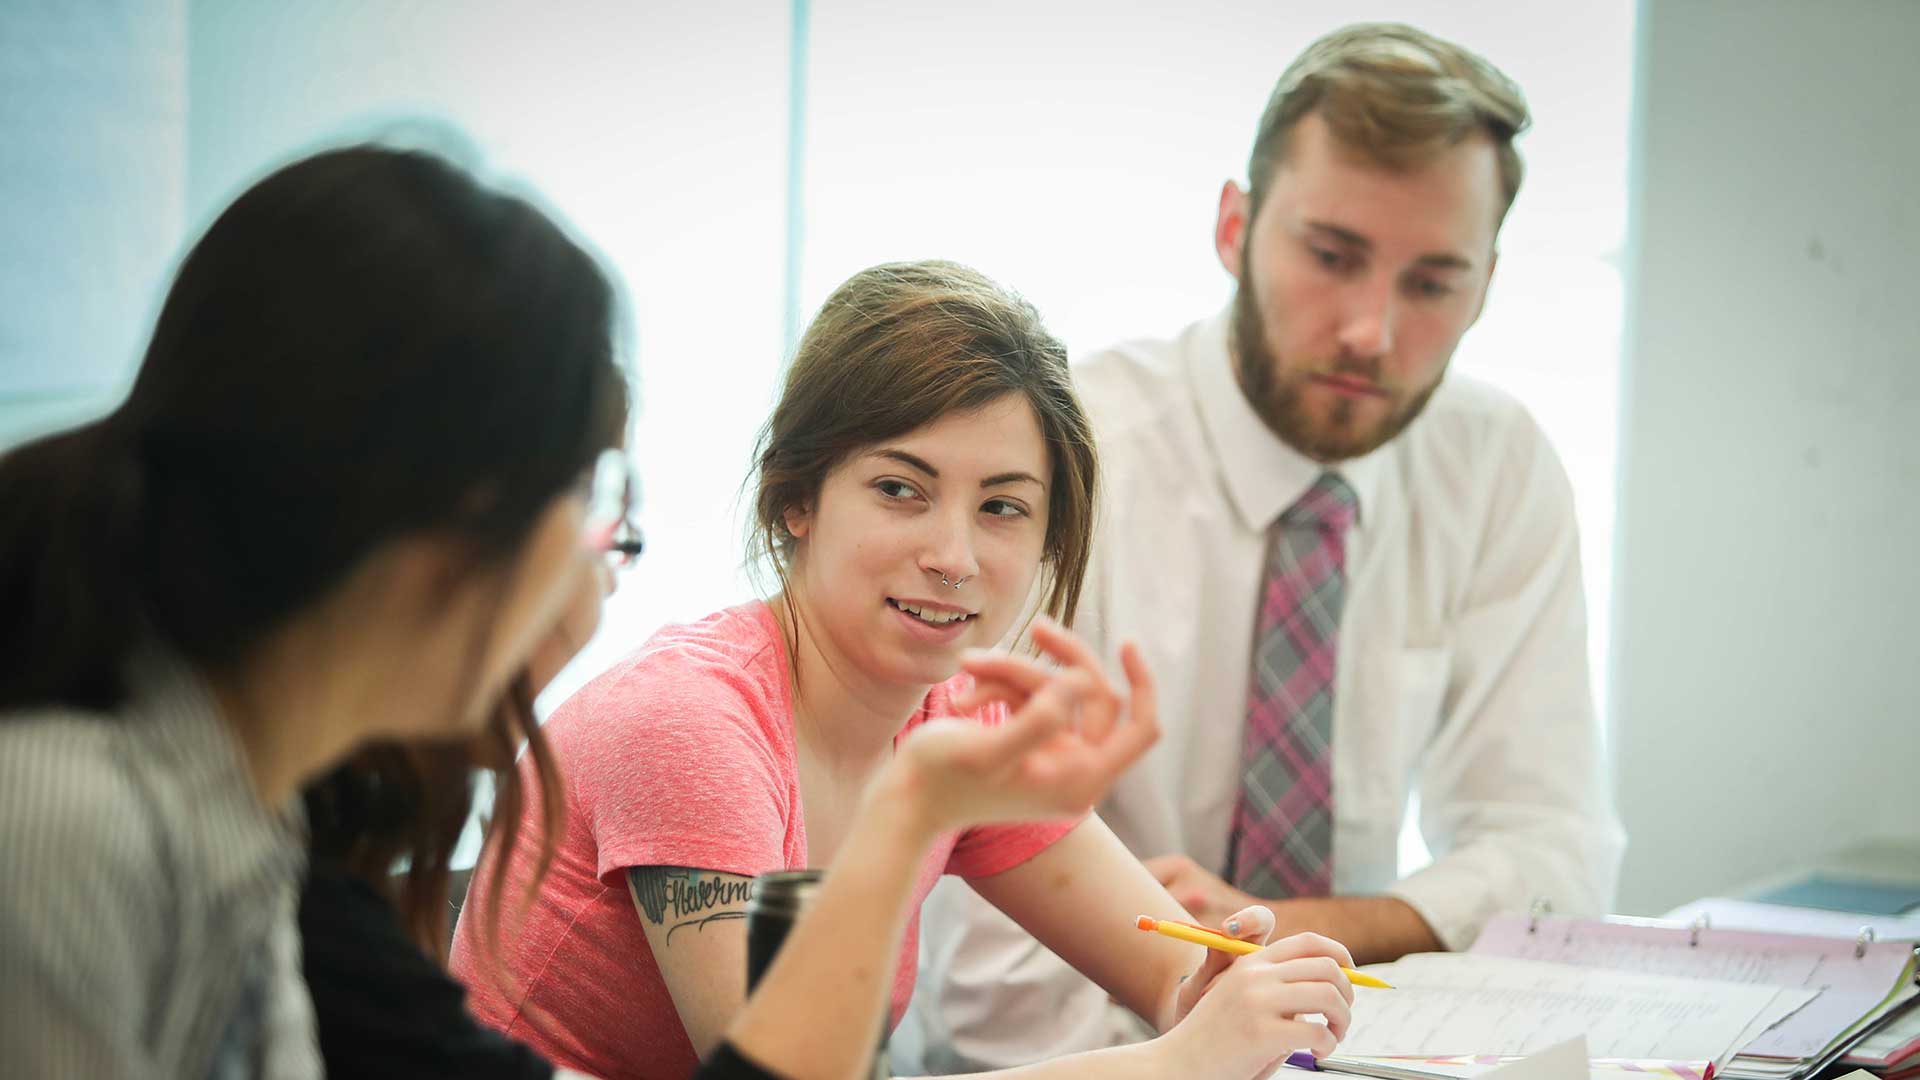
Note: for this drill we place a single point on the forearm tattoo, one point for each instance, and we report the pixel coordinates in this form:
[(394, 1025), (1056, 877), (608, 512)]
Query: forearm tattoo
[(677, 897)]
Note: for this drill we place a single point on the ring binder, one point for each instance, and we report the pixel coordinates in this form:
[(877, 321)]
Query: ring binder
[(1860, 979)]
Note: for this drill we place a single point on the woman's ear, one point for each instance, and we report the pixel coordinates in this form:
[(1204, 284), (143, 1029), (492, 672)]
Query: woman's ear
[(797, 519), (425, 569)]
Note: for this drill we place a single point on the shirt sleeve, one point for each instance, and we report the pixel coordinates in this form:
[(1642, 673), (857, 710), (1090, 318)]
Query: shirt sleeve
[(986, 850), (80, 944), (1513, 800), (679, 770), (79, 948)]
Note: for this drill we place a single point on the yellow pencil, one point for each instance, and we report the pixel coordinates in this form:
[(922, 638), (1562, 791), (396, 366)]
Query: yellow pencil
[(1202, 936)]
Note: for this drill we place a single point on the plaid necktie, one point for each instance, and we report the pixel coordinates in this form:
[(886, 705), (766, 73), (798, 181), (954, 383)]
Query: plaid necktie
[(1282, 843)]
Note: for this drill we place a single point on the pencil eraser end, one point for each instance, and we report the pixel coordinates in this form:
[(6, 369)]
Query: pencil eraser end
[(1144, 922)]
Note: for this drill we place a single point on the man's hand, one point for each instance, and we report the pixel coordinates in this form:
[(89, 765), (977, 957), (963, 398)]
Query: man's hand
[(1376, 928), (1198, 889)]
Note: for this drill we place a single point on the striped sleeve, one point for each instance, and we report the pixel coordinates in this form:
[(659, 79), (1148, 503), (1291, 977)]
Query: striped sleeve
[(80, 932)]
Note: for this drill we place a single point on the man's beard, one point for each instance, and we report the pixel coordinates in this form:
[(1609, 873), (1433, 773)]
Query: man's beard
[(1278, 396)]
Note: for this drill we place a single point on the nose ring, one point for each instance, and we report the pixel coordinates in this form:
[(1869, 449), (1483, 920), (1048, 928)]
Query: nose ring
[(955, 584)]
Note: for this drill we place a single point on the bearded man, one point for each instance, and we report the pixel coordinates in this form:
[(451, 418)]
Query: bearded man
[(1356, 578)]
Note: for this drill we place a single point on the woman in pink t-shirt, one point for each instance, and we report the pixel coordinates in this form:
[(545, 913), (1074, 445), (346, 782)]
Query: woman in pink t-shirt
[(925, 476)]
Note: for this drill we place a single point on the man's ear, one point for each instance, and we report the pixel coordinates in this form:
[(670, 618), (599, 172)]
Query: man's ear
[(1230, 227)]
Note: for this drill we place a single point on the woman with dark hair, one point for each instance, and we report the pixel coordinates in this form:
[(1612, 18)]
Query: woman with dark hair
[(368, 466), (927, 473)]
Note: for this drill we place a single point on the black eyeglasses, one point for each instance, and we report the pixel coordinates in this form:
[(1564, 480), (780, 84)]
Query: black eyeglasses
[(610, 527)]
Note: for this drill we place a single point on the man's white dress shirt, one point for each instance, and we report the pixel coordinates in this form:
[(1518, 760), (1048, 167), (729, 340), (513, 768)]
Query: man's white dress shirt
[(1462, 675)]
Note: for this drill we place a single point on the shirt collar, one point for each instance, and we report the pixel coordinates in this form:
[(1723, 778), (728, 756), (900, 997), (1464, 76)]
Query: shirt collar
[(1263, 475)]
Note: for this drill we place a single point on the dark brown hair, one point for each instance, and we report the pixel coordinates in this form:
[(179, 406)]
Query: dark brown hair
[(367, 344), (396, 804), (1397, 95), (897, 347)]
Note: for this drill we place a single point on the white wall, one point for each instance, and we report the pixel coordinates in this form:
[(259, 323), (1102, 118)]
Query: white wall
[(92, 173), (658, 131), (1075, 149), (1766, 666)]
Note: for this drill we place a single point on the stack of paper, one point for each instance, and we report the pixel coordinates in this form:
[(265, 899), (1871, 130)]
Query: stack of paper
[(1476, 1010), (1857, 984), (1893, 1049), (1657, 1000)]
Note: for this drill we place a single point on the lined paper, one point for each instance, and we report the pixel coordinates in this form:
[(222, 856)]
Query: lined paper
[(1852, 986), (1468, 1004)]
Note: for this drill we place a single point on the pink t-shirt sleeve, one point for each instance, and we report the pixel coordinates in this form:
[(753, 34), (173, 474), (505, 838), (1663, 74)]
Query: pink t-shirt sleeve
[(681, 769), (990, 849)]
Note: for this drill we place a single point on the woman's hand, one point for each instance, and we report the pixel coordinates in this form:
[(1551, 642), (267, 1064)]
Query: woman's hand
[(1242, 1015), (1070, 735)]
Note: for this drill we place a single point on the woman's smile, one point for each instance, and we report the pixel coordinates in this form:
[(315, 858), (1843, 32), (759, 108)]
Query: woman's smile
[(932, 621)]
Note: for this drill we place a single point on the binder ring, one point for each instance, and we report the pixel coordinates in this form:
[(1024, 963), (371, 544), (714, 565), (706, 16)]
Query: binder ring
[(1541, 907), (1701, 923), (1861, 940)]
